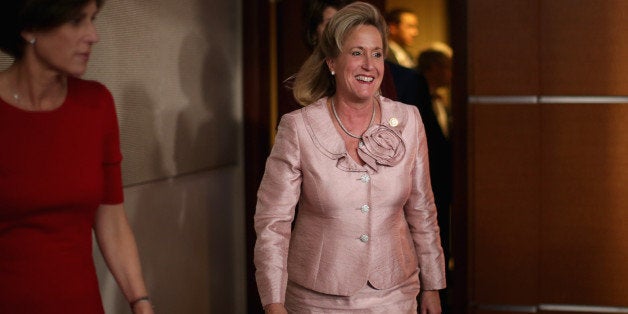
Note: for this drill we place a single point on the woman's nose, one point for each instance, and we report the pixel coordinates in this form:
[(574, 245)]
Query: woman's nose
[(92, 35), (368, 62)]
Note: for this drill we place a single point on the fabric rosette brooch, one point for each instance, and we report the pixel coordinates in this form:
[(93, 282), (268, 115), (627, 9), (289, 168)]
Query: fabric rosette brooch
[(382, 146)]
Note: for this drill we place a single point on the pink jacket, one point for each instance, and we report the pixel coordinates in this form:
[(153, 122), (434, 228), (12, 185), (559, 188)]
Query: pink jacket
[(356, 224)]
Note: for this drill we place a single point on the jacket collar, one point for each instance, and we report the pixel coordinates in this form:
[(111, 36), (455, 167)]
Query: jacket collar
[(325, 137)]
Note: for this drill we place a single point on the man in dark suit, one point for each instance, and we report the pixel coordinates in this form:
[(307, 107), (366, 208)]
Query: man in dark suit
[(434, 73), (420, 88), (403, 27), (431, 109)]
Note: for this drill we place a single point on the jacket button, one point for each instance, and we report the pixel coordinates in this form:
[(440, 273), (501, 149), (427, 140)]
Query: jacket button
[(365, 178), (364, 238), (365, 208)]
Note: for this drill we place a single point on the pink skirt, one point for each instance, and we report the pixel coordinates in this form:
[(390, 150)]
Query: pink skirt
[(399, 299)]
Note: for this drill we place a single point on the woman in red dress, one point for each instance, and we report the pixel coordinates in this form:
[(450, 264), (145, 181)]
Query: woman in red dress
[(59, 166)]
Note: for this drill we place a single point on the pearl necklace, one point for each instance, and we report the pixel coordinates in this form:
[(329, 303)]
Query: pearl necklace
[(333, 108), (16, 92)]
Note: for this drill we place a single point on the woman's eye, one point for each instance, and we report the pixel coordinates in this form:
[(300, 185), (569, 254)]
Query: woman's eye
[(377, 55), (356, 53)]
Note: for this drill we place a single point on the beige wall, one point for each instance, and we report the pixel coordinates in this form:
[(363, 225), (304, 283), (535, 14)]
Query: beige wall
[(174, 70), (190, 236)]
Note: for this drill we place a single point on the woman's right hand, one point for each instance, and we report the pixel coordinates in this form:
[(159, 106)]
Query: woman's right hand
[(275, 308)]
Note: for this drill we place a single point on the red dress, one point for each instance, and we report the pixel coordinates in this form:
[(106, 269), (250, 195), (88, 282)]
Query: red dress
[(56, 168)]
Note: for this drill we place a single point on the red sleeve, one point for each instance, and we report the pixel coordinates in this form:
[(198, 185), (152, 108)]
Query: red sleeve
[(112, 157)]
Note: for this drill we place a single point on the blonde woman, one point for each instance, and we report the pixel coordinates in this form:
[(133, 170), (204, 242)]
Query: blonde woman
[(366, 237)]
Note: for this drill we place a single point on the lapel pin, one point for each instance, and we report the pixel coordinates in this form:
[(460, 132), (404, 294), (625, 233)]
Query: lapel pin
[(393, 122)]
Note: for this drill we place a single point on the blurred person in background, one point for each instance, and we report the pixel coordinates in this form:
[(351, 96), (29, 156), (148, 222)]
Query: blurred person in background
[(403, 27), (434, 68), (316, 14)]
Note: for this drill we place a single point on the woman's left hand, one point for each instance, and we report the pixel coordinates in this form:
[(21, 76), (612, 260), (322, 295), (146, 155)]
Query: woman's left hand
[(430, 302)]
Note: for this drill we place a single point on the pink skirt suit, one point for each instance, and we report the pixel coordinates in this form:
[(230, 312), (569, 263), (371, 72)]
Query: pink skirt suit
[(366, 237)]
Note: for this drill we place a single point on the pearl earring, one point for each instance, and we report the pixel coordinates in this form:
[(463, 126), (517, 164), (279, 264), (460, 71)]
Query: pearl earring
[(333, 72), (32, 41)]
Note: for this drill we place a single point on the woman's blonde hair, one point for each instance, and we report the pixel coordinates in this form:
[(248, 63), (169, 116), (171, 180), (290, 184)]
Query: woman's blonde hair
[(314, 81)]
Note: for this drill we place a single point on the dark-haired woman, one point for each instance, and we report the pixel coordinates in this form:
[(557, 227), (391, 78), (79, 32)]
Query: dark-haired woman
[(59, 166)]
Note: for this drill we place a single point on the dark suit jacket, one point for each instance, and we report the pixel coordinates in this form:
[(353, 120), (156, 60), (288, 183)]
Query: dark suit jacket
[(405, 83), (412, 88)]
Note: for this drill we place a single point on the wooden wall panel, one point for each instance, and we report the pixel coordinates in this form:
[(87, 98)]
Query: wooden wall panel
[(548, 182), (505, 217), (495, 312), (582, 47), (584, 231), (503, 47)]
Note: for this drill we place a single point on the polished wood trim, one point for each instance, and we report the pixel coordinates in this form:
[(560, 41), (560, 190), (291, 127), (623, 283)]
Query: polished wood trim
[(583, 99), (459, 281), (255, 19), (582, 308), (534, 99), (511, 99)]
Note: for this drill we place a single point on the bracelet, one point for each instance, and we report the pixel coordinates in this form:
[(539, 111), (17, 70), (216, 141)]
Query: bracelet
[(138, 300)]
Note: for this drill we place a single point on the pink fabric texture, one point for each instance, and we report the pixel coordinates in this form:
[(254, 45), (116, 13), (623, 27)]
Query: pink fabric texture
[(399, 299), (356, 224)]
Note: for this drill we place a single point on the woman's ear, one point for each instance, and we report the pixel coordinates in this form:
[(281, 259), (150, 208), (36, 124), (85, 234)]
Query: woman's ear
[(330, 65), (28, 36)]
